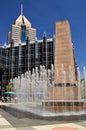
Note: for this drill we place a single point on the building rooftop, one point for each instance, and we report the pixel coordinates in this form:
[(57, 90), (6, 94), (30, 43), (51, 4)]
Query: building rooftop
[(22, 20)]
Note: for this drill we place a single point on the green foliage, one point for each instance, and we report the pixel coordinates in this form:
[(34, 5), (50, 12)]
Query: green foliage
[(8, 86)]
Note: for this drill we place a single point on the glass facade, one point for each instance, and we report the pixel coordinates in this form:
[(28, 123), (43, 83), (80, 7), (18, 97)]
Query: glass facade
[(23, 33), (16, 60)]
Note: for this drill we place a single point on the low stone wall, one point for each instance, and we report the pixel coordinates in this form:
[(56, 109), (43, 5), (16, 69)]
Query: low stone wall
[(62, 106)]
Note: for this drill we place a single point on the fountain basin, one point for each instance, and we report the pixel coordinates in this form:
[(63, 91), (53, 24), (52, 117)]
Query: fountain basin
[(35, 111), (63, 105)]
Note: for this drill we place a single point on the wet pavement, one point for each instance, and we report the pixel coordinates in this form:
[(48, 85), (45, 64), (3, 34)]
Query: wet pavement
[(10, 122)]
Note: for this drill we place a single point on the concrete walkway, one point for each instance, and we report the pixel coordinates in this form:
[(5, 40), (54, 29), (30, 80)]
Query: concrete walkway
[(9, 122)]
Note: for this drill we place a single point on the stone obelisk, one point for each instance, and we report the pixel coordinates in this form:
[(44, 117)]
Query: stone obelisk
[(64, 62)]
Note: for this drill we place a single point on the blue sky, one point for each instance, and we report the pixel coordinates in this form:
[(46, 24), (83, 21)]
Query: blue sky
[(43, 14)]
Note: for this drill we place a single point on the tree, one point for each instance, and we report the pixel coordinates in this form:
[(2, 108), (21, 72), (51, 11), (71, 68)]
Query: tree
[(8, 87)]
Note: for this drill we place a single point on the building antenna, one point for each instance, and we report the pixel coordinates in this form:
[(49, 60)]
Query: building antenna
[(22, 9)]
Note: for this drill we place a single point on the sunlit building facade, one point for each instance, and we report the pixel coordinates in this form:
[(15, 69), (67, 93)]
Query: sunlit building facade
[(20, 30)]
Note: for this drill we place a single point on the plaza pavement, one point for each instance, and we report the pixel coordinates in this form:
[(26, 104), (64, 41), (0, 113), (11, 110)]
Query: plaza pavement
[(9, 122)]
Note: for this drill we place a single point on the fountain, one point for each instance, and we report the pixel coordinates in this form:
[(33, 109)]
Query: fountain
[(38, 94)]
